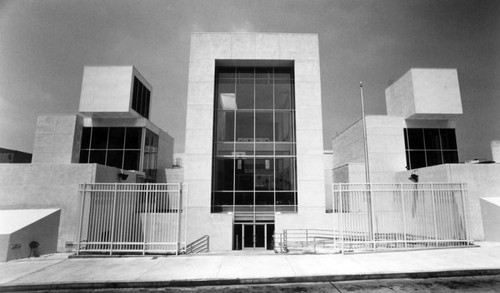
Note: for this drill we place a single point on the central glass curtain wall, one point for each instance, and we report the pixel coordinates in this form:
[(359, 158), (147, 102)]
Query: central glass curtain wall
[(254, 164)]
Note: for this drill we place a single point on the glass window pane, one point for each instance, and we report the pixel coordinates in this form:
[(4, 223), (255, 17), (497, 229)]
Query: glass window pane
[(434, 158), (283, 73), (245, 72), (283, 94), (226, 72), (264, 198), (146, 109), (244, 174), (244, 149), (98, 157), (263, 94), (116, 137), (84, 156), (223, 174), (263, 149), (284, 126), (285, 149), (225, 126), (450, 157), (244, 126), (244, 94), (225, 149), (114, 159), (133, 138), (405, 133), (448, 139), (131, 160), (223, 201), (99, 137), (263, 126), (264, 73), (264, 174), (243, 198), (432, 139), (416, 138), (417, 159), (285, 198), (135, 94), (86, 131), (285, 174), (226, 98)]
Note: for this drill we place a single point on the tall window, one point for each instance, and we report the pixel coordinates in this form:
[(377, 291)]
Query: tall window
[(140, 98), (430, 146), (254, 164)]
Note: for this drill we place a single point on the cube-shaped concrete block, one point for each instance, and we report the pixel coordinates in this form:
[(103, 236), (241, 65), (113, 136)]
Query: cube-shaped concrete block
[(107, 92), (425, 94)]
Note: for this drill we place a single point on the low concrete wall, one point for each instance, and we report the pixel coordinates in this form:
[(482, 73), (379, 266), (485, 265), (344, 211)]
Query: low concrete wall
[(41, 226), (490, 207), (41, 186), (481, 182)]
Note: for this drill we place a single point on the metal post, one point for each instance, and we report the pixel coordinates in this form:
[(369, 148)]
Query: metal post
[(80, 226), (145, 224), (404, 214), (178, 226), (185, 212), (367, 168), (113, 221), (465, 206), (434, 214)]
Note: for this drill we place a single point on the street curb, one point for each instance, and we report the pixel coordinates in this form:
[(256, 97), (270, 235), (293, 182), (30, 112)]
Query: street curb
[(248, 281)]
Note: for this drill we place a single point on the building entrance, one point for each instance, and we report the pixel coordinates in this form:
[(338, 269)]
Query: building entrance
[(253, 236)]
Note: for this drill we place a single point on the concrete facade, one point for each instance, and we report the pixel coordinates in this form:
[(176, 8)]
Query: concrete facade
[(386, 149), (20, 227), (206, 48), (495, 150), (425, 94), (107, 91), (480, 180), (57, 139)]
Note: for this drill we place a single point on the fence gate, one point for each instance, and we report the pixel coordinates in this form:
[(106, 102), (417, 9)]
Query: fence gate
[(130, 218), (392, 216)]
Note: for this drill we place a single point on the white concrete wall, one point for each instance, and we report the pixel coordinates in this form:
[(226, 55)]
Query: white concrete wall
[(495, 150), (481, 182), (205, 49), (490, 208), (107, 91), (40, 186), (57, 139), (425, 94), (386, 149), (34, 225)]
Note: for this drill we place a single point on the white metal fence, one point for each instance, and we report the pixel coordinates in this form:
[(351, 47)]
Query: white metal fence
[(392, 216), (130, 218)]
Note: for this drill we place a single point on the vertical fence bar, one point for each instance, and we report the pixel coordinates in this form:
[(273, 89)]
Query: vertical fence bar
[(145, 219), (178, 232), (405, 243), (465, 214), (434, 214), (113, 222), (82, 210)]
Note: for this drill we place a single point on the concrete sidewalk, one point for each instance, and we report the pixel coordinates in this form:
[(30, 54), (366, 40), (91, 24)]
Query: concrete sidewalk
[(59, 272)]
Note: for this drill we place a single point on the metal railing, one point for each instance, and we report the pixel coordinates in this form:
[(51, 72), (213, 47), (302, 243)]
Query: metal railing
[(394, 216), (198, 246), (129, 218), (300, 239)]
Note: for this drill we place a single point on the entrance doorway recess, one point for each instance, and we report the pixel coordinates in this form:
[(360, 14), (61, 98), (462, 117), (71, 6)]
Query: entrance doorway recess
[(253, 236)]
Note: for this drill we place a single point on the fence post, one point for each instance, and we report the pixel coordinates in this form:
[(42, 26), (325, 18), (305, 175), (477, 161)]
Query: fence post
[(178, 226), (307, 238), (82, 209), (146, 207), (342, 222), (404, 214), (113, 221), (434, 214), (465, 206)]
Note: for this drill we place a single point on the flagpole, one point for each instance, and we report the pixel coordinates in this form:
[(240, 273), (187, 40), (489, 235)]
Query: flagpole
[(369, 204)]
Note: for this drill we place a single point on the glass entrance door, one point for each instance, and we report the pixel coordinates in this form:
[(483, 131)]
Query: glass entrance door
[(254, 236)]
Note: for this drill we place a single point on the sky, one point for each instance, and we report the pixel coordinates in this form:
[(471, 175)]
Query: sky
[(44, 46)]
